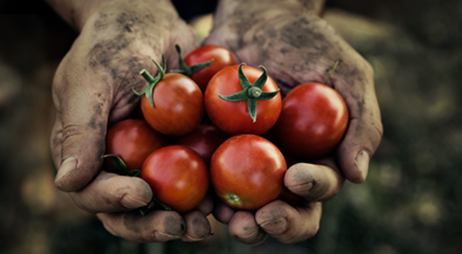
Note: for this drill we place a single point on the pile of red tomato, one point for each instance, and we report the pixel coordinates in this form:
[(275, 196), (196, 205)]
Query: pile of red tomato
[(215, 122)]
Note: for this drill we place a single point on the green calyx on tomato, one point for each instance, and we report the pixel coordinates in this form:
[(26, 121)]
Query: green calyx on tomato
[(189, 70), (154, 205), (251, 92), (152, 81), (120, 167)]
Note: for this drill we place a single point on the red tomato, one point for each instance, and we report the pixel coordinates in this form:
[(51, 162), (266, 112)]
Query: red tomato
[(178, 105), (234, 117), (247, 172), (313, 121), (221, 57), (178, 177), (133, 140), (204, 140)]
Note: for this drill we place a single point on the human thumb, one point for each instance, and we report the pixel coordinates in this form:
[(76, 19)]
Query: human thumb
[(78, 135), (363, 134)]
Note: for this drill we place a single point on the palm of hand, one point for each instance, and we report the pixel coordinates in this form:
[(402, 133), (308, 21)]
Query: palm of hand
[(300, 48), (99, 73), (297, 48), (93, 88)]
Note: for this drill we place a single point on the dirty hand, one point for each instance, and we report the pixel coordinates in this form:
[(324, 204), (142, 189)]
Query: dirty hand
[(297, 46), (92, 88)]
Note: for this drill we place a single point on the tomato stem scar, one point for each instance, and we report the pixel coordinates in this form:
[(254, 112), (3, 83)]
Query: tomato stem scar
[(234, 198)]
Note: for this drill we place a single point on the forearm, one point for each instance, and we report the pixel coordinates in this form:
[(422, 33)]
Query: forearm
[(76, 12)]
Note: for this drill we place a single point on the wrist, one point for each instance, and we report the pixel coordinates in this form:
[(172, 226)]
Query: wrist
[(77, 12)]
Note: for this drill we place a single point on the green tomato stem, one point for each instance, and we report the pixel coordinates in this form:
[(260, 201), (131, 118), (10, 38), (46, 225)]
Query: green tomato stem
[(254, 92), (148, 77), (189, 70), (331, 72)]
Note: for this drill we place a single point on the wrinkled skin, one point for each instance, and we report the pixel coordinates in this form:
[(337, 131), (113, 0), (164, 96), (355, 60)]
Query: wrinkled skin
[(297, 46), (93, 88)]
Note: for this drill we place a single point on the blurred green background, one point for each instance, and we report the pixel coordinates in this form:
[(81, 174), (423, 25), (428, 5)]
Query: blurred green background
[(410, 203)]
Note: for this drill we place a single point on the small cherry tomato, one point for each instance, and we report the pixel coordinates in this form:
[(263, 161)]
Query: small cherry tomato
[(202, 63), (204, 140), (313, 121), (247, 172), (178, 177), (133, 140), (172, 103), (242, 100)]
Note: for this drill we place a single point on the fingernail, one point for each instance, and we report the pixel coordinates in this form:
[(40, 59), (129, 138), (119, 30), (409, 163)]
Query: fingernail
[(254, 238), (247, 237), (195, 239), (302, 179), (132, 203), (174, 229), (303, 182), (67, 167), (275, 227), (362, 162), (162, 237)]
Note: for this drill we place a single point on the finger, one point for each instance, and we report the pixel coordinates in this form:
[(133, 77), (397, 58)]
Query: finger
[(157, 226), (197, 227), (314, 182), (289, 224), (364, 129), (206, 206), (55, 141), (85, 103), (79, 130), (222, 212), (187, 42), (244, 228), (109, 193)]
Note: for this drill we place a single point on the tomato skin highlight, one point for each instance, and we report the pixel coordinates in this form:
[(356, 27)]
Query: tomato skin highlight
[(178, 177), (247, 172), (221, 57), (313, 121), (178, 105), (233, 117), (133, 140), (204, 140)]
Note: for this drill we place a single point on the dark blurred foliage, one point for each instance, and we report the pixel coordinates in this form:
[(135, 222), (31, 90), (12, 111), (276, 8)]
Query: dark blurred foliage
[(410, 203), (433, 23)]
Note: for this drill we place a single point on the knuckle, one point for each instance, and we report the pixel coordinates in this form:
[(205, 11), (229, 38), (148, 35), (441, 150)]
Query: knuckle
[(312, 231), (107, 224), (369, 70), (376, 134), (72, 130), (81, 205), (378, 126)]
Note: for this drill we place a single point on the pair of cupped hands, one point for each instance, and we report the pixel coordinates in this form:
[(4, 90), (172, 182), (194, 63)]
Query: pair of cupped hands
[(93, 85)]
